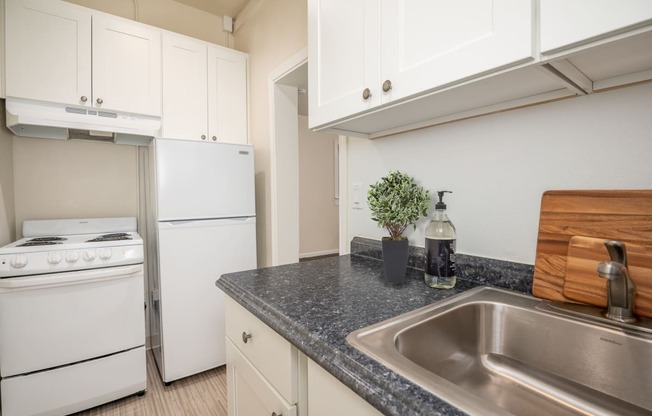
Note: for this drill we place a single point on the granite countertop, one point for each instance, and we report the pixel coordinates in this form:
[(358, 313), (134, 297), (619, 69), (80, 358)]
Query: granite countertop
[(316, 304)]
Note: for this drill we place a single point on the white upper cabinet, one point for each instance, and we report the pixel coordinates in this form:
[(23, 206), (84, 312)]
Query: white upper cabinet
[(63, 53), (204, 91), (227, 95), (375, 52), (570, 23), (344, 58), (48, 51), (126, 65), (185, 106), (428, 44)]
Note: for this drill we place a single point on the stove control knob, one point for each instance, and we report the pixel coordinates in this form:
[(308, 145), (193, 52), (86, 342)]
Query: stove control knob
[(89, 255), (105, 254), (54, 258), (72, 256), (19, 261)]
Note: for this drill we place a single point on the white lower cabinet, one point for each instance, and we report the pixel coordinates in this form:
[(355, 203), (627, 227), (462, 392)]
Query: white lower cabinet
[(266, 375), (327, 396), (262, 367), (249, 391)]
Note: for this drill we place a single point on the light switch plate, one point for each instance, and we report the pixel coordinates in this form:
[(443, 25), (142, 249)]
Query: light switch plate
[(356, 195)]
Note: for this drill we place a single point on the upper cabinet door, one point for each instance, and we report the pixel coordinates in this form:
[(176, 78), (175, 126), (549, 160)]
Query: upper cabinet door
[(227, 96), (48, 51), (185, 106), (570, 23), (428, 44), (344, 58), (126, 65)]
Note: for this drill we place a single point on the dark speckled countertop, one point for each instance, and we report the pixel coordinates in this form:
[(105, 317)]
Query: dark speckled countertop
[(316, 304)]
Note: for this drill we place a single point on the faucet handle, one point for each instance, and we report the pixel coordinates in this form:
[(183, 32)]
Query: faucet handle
[(617, 251)]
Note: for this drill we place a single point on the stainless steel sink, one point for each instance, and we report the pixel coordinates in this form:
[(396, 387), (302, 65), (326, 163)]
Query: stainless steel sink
[(490, 351)]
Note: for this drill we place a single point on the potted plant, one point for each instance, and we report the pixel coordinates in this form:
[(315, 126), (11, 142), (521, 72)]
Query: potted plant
[(396, 202)]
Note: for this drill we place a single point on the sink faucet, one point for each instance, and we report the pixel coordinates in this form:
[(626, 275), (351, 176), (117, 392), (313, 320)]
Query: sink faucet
[(620, 287)]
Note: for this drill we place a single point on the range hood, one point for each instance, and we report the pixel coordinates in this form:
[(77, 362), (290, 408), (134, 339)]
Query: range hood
[(59, 121)]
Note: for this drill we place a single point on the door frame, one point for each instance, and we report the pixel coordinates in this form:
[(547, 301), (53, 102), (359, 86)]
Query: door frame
[(281, 230)]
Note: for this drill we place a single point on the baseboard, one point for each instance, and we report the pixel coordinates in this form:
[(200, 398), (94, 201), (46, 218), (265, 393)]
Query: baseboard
[(318, 253)]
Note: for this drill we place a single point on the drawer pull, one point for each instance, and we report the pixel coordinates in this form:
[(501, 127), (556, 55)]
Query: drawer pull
[(245, 338), (277, 414)]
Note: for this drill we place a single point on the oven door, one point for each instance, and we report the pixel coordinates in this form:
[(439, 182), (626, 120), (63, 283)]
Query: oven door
[(57, 319)]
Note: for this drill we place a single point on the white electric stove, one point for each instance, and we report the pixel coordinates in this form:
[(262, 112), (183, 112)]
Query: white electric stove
[(52, 246), (72, 328)]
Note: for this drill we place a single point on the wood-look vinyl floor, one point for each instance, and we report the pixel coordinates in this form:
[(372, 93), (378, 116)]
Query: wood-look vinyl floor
[(203, 394)]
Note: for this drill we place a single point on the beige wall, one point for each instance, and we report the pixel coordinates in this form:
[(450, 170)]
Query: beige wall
[(271, 31), (318, 214), (7, 214), (73, 179), (166, 14)]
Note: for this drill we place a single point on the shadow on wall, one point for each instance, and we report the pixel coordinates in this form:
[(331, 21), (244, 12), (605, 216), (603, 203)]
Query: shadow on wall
[(7, 199)]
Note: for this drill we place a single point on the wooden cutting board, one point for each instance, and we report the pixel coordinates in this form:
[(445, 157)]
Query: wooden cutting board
[(583, 284), (615, 215)]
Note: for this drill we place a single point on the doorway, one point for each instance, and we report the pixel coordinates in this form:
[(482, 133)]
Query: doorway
[(306, 172)]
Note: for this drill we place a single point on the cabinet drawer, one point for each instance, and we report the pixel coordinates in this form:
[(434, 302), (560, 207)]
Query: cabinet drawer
[(249, 392), (274, 357)]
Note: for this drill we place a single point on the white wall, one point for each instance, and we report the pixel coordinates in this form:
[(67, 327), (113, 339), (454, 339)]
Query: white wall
[(499, 165), (318, 214)]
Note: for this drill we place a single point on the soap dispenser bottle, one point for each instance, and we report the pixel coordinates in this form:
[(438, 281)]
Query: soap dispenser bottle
[(440, 270)]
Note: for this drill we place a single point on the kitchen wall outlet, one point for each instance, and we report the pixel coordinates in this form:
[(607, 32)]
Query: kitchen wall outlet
[(356, 195)]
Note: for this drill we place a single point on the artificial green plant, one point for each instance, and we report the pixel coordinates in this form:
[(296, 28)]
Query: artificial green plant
[(396, 202)]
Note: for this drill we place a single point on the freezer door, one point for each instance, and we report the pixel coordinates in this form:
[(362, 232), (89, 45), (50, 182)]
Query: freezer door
[(197, 180), (192, 256)]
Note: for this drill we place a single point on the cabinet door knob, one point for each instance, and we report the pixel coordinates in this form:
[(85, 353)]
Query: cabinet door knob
[(100, 101), (203, 137), (245, 337), (387, 85), (214, 138), (366, 94), (83, 98)]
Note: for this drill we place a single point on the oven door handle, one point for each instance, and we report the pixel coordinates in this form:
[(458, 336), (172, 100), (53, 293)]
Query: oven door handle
[(69, 278)]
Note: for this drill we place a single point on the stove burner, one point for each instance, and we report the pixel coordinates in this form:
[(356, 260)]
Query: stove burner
[(31, 243), (47, 239), (111, 237)]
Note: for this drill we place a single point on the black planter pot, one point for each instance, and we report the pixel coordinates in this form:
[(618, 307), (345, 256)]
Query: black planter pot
[(395, 256)]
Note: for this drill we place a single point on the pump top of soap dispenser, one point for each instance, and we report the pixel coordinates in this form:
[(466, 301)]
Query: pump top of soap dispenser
[(440, 204)]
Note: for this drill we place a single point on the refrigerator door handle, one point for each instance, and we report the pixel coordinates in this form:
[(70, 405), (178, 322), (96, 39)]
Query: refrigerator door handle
[(206, 222)]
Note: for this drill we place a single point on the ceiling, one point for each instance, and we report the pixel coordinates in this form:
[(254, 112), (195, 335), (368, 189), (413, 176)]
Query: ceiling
[(217, 7)]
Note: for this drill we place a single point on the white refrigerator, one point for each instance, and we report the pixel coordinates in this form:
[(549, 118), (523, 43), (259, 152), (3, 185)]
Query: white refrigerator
[(203, 198)]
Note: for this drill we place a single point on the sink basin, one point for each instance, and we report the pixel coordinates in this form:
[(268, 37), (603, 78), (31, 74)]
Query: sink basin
[(491, 351)]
